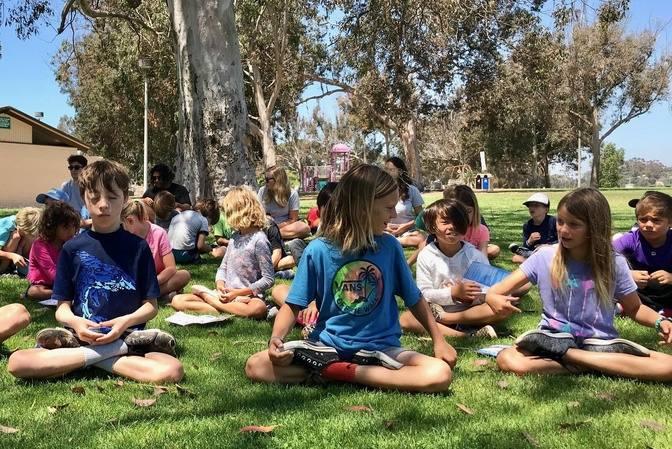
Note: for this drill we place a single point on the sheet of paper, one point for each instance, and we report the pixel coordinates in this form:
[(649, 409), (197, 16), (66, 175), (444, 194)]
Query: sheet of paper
[(185, 319), (492, 351), (49, 302), (484, 274)]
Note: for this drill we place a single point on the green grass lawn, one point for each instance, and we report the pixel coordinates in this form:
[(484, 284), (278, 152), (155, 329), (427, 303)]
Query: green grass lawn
[(216, 399)]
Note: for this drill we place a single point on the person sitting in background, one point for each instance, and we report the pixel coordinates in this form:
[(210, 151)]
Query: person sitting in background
[(539, 230), (17, 233), (187, 230), (282, 203), (162, 181), (70, 188)]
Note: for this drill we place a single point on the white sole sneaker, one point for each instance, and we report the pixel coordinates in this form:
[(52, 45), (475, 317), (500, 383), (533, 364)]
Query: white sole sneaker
[(615, 345), (379, 358)]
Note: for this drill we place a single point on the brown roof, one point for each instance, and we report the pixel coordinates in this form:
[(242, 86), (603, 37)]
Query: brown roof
[(45, 134)]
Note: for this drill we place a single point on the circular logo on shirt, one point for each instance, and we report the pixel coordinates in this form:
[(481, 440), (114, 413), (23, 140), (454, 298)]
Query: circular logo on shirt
[(358, 287)]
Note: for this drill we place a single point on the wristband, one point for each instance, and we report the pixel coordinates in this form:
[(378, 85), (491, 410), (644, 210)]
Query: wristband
[(659, 321)]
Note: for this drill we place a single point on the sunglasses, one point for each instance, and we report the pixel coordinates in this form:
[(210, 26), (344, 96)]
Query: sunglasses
[(74, 167)]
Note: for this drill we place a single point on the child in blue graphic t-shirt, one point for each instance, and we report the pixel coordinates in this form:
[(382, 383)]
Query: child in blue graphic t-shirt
[(354, 270), (106, 289), (578, 280)]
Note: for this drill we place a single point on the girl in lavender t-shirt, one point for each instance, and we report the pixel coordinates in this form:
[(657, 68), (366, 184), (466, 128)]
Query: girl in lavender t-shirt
[(578, 280)]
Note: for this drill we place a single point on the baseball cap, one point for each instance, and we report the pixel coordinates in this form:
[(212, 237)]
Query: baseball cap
[(654, 193), (54, 194), (538, 197)]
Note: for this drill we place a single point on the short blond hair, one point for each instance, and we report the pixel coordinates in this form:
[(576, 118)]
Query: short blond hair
[(28, 220), (243, 209), (135, 208)]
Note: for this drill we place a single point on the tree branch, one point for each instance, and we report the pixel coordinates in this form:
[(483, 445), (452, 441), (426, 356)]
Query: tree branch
[(67, 9), (317, 97), (97, 13)]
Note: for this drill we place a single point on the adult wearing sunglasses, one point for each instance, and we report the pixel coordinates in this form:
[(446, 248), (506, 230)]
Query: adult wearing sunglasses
[(76, 162), (161, 178), (282, 204)]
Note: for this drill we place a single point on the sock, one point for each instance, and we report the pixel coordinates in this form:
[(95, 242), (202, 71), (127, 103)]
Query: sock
[(95, 354), (340, 371), (106, 365)]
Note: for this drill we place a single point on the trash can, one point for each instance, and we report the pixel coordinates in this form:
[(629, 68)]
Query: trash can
[(478, 182), (486, 182)]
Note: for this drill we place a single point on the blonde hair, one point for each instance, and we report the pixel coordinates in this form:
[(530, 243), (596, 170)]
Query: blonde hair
[(135, 208), (28, 220), (243, 209), (280, 190), (466, 196), (592, 208), (346, 221)]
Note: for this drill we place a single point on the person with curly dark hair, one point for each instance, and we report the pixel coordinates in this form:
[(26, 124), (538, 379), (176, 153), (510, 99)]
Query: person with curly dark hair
[(161, 177)]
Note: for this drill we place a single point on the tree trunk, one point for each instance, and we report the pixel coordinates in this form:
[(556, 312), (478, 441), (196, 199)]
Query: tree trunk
[(411, 154), (212, 113), (265, 126), (595, 145)]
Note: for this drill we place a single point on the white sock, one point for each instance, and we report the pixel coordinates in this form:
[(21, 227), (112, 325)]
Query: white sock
[(94, 354)]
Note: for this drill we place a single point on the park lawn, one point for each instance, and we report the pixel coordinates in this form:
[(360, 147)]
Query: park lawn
[(215, 399)]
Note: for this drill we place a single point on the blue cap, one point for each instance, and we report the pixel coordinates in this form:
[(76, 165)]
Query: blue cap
[(54, 194)]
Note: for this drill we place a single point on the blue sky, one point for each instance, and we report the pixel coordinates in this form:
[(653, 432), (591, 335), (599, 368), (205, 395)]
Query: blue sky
[(27, 82)]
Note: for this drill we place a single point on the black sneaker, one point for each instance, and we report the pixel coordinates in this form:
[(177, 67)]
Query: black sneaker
[(616, 345), (514, 248), (312, 356), (56, 337), (150, 340), (378, 358), (549, 344)]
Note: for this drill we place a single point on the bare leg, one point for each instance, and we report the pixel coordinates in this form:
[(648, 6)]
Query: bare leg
[(41, 363), (656, 367), (410, 324), (13, 318), (517, 361), (154, 367), (413, 239), (189, 302), (493, 251), (286, 263), (193, 303), (296, 230), (39, 292), (218, 252), (473, 316), (260, 369), (252, 308), (176, 282), (517, 258), (279, 294)]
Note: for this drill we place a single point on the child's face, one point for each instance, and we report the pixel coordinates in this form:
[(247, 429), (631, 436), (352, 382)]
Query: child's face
[(65, 232), (537, 211), (572, 232), (446, 233), (392, 169), (384, 211), (105, 206), (653, 225), (133, 225)]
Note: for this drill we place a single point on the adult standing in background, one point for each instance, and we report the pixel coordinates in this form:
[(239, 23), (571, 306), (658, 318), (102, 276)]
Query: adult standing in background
[(76, 162), (161, 177), (282, 204)]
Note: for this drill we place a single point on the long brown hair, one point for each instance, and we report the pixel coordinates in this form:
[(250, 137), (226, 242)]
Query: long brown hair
[(280, 190), (466, 196), (346, 221), (591, 207)]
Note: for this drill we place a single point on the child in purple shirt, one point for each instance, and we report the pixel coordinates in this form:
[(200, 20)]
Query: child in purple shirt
[(649, 251)]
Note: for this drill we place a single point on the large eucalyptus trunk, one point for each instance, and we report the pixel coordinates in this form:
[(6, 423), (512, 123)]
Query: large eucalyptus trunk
[(595, 148), (411, 153), (211, 154)]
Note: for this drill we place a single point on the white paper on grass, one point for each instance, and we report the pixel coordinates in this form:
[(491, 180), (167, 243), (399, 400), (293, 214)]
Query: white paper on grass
[(49, 302), (492, 351), (185, 319)]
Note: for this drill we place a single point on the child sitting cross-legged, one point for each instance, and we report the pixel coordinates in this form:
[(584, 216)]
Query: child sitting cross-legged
[(457, 303), (135, 219), (353, 271), (17, 233), (59, 223), (539, 230), (578, 280), (106, 290), (246, 271)]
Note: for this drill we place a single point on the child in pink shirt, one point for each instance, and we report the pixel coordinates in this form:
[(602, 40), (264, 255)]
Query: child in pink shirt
[(59, 222), (136, 221)]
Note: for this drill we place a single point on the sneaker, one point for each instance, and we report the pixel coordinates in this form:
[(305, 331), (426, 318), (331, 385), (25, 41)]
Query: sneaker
[(514, 247), (549, 344), (486, 331), (271, 312), (150, 340), (56, 337), (312, 356), (378, 358), (296, 247), (437, 311), (616, 345), (284, 274)]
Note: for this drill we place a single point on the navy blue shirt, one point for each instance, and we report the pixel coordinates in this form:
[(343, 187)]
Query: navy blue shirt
[(105, 275), (548, 230)]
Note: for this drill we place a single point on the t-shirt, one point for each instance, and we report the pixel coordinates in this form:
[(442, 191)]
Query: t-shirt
[(184, 229), (641, 255), (477, 236), (71, 189), (548, 230), (7, 226), (165, 223), (279, 214), (312, 216), (575, 307), (157, 239), (355, 293), (105, 275), (221, 228), (247, 263), (179, 191), (434, 270), (274, 237), (406, 208), (42, 263)]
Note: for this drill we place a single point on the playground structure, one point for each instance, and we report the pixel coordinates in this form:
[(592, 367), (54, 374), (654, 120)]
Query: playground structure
[(314, 177)]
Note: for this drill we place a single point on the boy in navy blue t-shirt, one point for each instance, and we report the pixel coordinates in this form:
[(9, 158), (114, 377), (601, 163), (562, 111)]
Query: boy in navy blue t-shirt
[(106, 289), (539, 230)]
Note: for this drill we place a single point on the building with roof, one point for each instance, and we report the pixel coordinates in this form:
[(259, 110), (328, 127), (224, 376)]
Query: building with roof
[(33, 157)]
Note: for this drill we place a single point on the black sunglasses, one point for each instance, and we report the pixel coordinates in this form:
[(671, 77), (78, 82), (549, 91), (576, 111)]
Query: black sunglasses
[(74, 167)]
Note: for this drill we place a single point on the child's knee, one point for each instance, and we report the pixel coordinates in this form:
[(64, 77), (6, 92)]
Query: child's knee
[(508, 361), (438, 376), (179, 302), (406, 321), (19, 363), (183, 277), (257, 310), (255, 367), (20, 314), (169, 373)]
